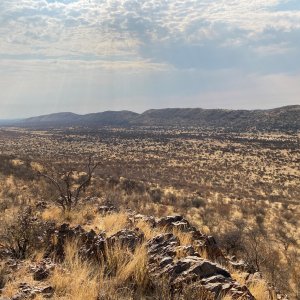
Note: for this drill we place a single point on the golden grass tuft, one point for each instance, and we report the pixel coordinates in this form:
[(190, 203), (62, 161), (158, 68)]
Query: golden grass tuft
[(80, 216), (112, 223), (146, 228), (185, 238), (122, 274), (75, 278), (259, 289), (136, 269)]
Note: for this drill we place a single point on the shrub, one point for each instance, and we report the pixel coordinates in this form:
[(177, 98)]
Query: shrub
[(3, 275), (22, 234), (198, 202), (156, 195)]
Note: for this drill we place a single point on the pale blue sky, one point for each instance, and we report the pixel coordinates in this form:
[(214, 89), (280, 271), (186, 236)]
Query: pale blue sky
[(91, 55)]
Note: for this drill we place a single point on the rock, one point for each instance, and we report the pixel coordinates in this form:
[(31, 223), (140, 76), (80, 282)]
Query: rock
[(202, 241), (91, 245), (127, 238), (42, 270), (166, 261), (241, 266), (204, 268), (161, 246), (41, 205), (28, 292), (106, 209), (47, 291), (18, 296), (186, 251), (148, 219), (181, 264), (172, 221), (41, 273), (25, 291)]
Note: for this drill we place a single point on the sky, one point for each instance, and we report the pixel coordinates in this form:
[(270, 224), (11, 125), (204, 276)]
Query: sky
[(95, 55)]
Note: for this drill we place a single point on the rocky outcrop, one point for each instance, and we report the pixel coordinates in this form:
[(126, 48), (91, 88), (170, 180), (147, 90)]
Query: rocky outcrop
[(181, 264), (200, 265), (202, 242), (91, 245), (163, 263)]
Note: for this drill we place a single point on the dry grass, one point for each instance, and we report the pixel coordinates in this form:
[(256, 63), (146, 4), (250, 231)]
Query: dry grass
[(227, 297), (260, 290), (75, 279), (229, 173), (20, 275), (238, 276), (185, 238), (112, 223), (128, 268), (146, 228), (79, 216), (122, 273)]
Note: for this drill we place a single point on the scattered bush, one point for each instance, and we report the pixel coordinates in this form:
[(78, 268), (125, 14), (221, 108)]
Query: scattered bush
[(198, 202), (23, 233)]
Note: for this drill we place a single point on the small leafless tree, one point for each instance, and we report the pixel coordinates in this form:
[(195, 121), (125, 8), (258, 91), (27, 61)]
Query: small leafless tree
[(255, 247), (70, 189)]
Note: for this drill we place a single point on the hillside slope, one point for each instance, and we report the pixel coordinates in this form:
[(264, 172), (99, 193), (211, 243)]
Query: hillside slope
[(286, 118)]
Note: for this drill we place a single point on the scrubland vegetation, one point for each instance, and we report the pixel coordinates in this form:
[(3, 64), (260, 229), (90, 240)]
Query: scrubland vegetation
[(241, 188)]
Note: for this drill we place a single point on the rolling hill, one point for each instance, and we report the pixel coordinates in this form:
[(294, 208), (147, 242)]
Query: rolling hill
[(284, 118)]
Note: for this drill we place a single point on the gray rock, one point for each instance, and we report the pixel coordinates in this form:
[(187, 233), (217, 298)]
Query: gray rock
[(41, 273), (127, 238)]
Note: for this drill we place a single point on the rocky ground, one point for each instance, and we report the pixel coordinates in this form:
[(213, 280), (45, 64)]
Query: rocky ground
[(187, 261)]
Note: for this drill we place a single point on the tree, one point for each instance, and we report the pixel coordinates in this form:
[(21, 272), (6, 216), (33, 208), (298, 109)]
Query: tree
[(70, 188)]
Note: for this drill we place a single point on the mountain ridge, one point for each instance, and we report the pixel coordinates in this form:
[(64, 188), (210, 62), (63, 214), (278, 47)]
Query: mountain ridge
[(281, 118)]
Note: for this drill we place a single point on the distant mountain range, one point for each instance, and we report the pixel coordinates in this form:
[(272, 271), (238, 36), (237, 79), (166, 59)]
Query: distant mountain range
[(285, 118)]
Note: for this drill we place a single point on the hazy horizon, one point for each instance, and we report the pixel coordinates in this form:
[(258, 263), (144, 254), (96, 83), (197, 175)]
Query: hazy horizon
[(91, 56)]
